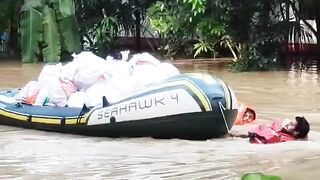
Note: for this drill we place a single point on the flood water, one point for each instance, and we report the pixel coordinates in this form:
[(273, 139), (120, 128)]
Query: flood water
[(31, 154)]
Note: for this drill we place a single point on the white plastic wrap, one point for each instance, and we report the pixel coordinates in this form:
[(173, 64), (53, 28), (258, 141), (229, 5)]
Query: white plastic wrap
[(77, 99), (28, 94), (58, 90), (90, 70)]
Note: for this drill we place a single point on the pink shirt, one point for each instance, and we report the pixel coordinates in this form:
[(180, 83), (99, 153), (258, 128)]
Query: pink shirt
[(269, 133)]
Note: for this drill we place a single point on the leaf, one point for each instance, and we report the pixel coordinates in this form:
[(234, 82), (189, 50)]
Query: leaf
[(66, 8), (259, 176), (51, 36), (30, 34), (29, 4), (70, 34), (68, 26), (202, 46)]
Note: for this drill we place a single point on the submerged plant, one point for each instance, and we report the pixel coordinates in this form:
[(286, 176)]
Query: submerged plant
[(259, 176)]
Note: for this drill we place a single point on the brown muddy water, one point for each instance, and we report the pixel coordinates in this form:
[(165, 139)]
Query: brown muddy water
[(31, 154)]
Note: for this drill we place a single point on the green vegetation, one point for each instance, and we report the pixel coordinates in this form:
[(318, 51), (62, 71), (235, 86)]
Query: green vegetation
[(101, 21), (252, 33), (9, 21), (191, 27), (259, 176), (48, 27)]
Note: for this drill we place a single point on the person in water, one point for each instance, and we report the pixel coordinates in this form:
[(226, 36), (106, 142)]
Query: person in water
[(278, 131), (245, 115)]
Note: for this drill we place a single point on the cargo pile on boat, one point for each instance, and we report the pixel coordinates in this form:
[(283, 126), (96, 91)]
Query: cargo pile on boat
[(87, 78)]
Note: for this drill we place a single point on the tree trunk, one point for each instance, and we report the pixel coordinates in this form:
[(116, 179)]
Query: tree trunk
[(137, 14), (13, 41)]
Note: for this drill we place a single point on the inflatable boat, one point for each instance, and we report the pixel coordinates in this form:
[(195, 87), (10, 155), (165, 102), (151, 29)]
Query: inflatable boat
[(188, 106)]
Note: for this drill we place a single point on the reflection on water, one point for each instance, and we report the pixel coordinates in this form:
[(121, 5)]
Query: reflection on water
[(31, 154), (303, 63)]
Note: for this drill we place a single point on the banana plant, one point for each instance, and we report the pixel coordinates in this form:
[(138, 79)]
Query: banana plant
[(47, 28)]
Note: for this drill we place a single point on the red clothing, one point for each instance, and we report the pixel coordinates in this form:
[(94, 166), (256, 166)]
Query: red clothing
[(242, 108), (270, 133)]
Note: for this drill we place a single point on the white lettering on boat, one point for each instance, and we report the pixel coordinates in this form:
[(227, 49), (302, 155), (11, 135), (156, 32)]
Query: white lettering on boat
[(137, 105), (149, 106)]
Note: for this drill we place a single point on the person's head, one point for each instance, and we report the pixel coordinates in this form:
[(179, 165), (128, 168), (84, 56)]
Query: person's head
[(299, 128), (248, 116)]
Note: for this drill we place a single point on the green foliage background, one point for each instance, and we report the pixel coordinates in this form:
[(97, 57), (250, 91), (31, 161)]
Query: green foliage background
[(48, 27), (250, 32)]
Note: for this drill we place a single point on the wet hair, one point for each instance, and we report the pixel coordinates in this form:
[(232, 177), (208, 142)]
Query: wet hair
[(252, 111), (302, 128)]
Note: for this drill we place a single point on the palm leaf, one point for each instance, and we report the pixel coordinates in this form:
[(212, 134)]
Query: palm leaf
[(66, 8), (28, 4), (68, 25), (70, 34), (51, 36), (31, 34)]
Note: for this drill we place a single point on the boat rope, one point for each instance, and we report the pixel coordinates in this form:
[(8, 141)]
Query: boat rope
[(222, 108)]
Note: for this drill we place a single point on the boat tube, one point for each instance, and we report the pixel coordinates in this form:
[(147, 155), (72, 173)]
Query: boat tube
[(187, 106)]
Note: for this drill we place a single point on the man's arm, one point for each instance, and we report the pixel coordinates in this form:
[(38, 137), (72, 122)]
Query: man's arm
[(238, 135)]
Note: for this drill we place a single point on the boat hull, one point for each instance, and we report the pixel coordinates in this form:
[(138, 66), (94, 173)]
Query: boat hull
[(188, 107), (194, 126)]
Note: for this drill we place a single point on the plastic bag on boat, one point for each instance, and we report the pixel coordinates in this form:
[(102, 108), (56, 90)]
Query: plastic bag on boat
[(42, 97), (125, 55), (91, 69), (168, 70), (68, 87), (148, 70), (59, 89), (28, 94), (77, 99), (49, 73), (121, 79), (95, 93), (56, 93), (144, 58), (144, 68), (120, 69), (69, 70), (121, 86), (146, 74)]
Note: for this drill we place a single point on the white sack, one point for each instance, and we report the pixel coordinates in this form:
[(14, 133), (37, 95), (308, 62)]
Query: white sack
[(77, 99), (91, 69), (29, 92), (58, 90)]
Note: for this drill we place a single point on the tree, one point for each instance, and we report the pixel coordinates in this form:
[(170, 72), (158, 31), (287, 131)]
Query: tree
[(309, 9), (190, 27), (48, 27), (259, 29), (9, 22), (253, 32), (101, 22)]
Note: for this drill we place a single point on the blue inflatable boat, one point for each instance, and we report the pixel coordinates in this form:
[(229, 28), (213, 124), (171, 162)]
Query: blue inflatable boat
[(188, 106)]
